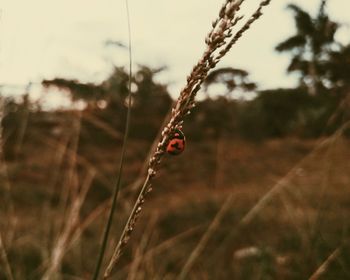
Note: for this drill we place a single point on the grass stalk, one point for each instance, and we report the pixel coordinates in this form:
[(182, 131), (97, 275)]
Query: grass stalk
[(322, 269), (129, 226), (4, 260), (218, 42), (121, 163), (70, 226), (205, 238)]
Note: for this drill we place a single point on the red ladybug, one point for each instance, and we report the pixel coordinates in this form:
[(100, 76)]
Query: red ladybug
[(176, 143)]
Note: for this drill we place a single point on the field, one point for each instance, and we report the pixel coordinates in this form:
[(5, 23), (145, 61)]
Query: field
[(274, 209), (110, 170)]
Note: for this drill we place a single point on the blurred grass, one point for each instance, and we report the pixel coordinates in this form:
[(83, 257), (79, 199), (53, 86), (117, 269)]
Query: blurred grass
[(289, 238)]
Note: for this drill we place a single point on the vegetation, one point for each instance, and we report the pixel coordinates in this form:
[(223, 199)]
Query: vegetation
[(260, 192)]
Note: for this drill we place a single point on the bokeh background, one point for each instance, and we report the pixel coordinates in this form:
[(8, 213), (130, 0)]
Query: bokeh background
[(262, 189)]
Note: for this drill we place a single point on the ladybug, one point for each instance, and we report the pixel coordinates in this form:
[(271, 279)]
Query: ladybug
[(176, 144)]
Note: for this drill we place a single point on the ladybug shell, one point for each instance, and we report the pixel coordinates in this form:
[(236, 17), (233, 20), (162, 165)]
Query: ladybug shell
[(176, 143)]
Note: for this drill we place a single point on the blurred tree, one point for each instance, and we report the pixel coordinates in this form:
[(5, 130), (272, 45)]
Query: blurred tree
[(231, 78), (114, 90), (151, 102), (90, 93), (337, 69), (147, 93), (323, 67), (312, 43), (212, 118), (215, 116), (107, 100)]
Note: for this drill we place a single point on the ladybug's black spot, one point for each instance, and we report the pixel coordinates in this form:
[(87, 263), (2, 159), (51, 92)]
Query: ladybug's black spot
[(175, 145)]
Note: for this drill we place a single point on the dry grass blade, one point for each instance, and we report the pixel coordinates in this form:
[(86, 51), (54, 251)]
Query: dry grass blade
[(5, 261), (23, 124), (205, 238), (217, 45), (71, 224), (71, 154), (283, 182), (102, 125), (71, 178), (324, 266), (4, 175), (140, 250), (169, 243)]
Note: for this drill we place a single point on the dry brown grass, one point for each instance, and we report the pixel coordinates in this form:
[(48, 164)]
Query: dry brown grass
[(286, 223)]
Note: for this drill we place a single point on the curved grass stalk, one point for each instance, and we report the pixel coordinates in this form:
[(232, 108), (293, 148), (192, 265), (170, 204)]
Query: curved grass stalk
[(218, 42)]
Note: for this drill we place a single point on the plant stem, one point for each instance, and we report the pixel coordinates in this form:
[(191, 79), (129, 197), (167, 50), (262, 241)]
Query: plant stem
[(128, 226), (121, 163)]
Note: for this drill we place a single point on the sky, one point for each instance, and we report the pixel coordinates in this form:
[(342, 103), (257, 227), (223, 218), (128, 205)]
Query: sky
[(41, 39)]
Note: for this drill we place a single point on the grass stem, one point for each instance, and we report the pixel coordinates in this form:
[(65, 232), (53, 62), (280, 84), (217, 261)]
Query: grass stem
[(121, 164)]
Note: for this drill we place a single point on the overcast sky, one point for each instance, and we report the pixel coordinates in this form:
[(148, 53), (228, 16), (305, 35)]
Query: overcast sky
[(46, 39)]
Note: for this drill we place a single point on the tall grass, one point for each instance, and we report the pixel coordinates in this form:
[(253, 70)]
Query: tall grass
[(218, 42)]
